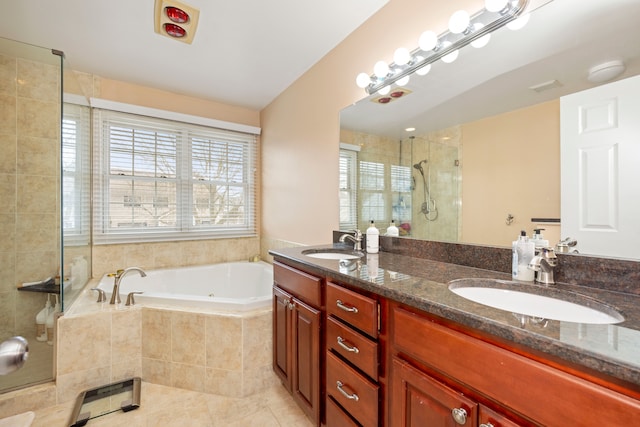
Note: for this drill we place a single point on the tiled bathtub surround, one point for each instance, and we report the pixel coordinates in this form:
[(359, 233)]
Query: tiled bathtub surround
[(216, 353)]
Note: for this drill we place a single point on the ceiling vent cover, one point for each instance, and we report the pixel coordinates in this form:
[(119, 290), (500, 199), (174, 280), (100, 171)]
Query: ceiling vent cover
[(176, 20)]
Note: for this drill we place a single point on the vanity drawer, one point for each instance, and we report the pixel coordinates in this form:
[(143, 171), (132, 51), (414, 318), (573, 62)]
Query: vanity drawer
[(357, 310), (353, 346), (302, 285), (353, 391), (336, 417)]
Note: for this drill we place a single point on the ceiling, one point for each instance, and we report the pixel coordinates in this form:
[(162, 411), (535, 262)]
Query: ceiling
[(562, 41), (244, 53)]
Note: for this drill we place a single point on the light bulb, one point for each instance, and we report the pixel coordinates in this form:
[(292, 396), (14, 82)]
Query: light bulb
[(495, 5), (403, 81), (385, 90), (482, 41), (459, 22), (518, 23), (381, 69), (363, 80), (428, 41), (449, 58), (401, 56), (424, 70)]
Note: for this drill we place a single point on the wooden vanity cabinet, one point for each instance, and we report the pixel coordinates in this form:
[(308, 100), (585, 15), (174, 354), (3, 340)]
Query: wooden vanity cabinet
[(352, 359), (435, 370), (297, 318)]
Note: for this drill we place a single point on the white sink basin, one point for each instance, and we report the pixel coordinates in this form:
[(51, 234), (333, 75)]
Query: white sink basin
[(536, 301), (333, 254)]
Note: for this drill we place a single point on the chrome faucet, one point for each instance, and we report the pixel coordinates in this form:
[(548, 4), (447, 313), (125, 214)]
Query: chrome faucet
[(115, 295), (544, 264), (356, 238)]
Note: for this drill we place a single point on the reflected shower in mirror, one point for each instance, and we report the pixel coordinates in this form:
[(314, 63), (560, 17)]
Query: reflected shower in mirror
[(493, 117)]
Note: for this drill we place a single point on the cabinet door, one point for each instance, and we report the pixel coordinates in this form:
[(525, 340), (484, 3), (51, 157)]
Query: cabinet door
[(282, 360), (418, 400), (306, 357)]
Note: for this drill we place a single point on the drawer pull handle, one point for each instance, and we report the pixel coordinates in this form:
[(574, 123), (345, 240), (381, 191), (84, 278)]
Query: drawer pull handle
[(486, 425), (341, 306), (459, 415), (343, 343), (352, 396)]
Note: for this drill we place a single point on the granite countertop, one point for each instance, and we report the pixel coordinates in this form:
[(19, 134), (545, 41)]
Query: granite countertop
[(612, 350)]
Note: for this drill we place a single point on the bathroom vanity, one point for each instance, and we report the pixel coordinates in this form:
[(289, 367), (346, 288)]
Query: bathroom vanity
[(391, 345)]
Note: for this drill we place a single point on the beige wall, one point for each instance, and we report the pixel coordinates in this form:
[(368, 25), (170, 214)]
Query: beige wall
[(301, 127), (517, 156)]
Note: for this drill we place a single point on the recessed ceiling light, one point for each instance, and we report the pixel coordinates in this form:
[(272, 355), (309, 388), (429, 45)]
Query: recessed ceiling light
[(607, 71), (410, 129)]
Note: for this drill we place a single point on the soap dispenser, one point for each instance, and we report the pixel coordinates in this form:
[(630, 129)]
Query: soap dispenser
[(373, 239), (538, 240), (392, 230), (524, 251)]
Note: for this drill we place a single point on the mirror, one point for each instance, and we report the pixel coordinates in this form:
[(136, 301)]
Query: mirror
[(496, 113)]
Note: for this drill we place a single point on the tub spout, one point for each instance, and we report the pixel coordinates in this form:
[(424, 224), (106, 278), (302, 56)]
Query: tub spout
[(115, 295)]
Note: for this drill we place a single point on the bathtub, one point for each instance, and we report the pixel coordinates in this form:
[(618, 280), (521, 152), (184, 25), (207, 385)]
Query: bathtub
[(234, 286)]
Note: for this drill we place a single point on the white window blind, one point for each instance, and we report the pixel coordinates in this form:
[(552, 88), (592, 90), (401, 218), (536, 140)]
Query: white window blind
[(165, 180), (76, 174), (348, 190), (372, 187)]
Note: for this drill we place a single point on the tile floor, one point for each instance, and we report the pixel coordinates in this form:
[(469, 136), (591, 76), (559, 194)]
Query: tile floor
[(168, 406)]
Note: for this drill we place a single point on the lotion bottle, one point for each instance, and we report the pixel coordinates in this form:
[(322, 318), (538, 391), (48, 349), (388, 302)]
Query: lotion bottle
[(51, 321), (373, 239), (538, 240), (41, 321), (392, 230)]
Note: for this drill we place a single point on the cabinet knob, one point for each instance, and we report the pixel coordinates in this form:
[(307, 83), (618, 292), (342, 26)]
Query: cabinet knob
[(347, 308), (459, 415), (350, 396), (351, 348), (486, 425), (291, 306)]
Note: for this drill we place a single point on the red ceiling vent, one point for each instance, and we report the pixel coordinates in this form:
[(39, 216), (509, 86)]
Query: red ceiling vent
[(176, 14), (176, 20), (175, 30)]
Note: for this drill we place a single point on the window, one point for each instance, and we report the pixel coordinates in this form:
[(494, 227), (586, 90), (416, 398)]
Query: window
[(348, 190), (158, 180), (372, 191), (76, 147)]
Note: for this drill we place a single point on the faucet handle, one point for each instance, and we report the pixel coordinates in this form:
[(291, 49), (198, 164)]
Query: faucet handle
[(130, 299), (102, 297)]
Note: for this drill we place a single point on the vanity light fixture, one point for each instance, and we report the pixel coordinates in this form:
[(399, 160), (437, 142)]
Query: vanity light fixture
[(463, 30), (176, 20)]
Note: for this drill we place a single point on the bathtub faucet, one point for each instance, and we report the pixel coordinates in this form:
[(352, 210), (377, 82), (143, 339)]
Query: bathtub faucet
[(115, 295)]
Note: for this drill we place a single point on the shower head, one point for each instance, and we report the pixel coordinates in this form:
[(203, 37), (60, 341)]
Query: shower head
[(418, 165)]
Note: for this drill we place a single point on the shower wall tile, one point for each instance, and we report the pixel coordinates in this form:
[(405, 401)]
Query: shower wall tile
[(35, 265), (7, 75), (8, 114), (38, 156), (7, 271), (8, 155), (28, 302), (28, 399), (38, 232), (7, 313), (38, 80), (8, 231), (38, 118), (35, 195)]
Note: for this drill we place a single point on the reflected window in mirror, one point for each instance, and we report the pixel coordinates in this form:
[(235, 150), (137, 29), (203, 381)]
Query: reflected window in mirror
[(348, 189)]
